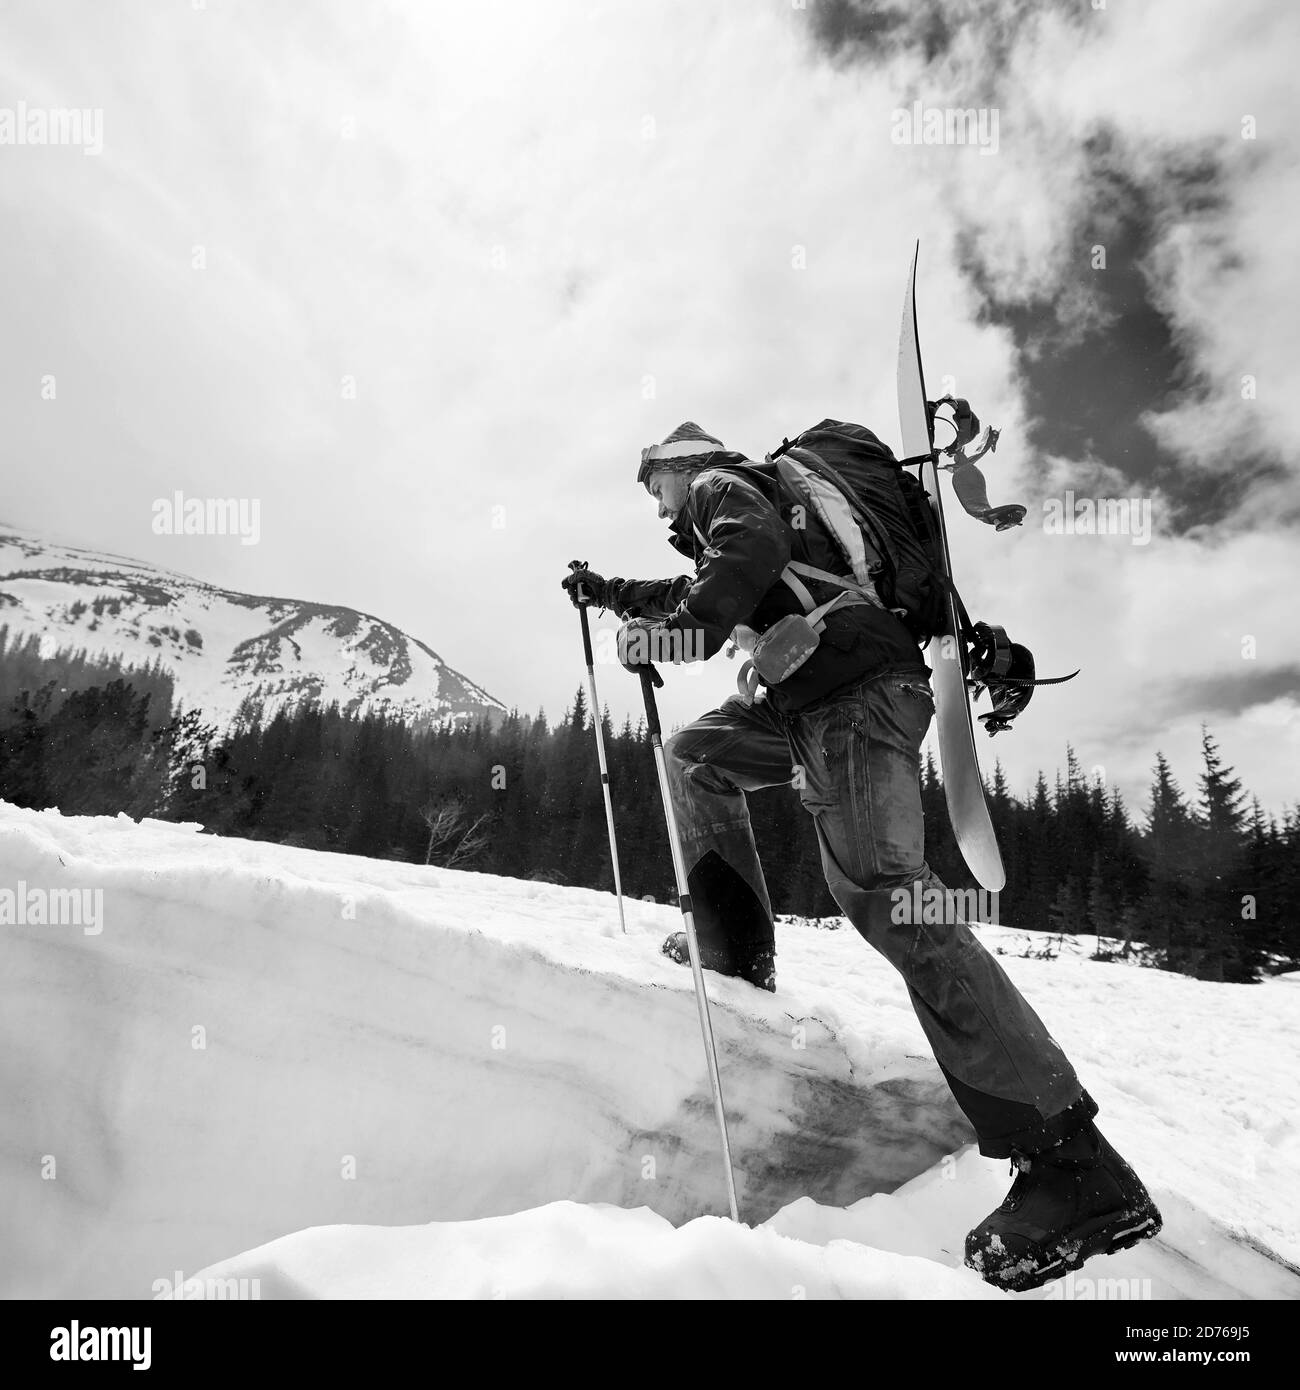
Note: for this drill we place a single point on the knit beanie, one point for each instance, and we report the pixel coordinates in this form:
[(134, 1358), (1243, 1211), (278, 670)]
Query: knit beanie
[(687, 449)]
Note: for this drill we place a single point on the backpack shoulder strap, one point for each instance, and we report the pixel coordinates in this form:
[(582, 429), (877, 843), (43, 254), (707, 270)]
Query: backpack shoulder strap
[(807, 477)]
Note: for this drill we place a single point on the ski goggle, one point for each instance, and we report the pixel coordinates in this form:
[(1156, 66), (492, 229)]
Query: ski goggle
[(647, 463)]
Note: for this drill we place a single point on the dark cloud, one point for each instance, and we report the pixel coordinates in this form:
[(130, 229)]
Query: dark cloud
[(1098, 349), (1225, 694), (848, 31), (1218, 697), (1135, 727), (856, 29)]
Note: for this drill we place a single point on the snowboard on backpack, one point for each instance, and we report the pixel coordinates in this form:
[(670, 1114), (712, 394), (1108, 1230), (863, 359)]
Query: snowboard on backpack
[(962, 784)]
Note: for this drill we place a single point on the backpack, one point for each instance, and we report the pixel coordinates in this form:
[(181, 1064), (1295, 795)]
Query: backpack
[(876, 513)]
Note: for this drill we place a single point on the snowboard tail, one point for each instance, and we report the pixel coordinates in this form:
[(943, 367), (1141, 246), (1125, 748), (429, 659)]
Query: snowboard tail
[(962, 784)]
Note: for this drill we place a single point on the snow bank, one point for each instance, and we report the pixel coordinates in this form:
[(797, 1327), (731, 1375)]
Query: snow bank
[(262, 1039), (565, 1250), (903, 1245), (378, 1080)]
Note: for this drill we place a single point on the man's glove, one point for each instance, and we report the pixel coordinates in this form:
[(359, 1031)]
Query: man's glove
[(586, 589), (638, 644)]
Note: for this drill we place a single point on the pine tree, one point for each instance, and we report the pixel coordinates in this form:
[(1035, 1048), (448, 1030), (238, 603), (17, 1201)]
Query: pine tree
[(1002, 812), (1170, 854), (1284, 850), (1068, 913), (1042, 876), (1229, 941), (592, 845), (941, 850), (1222, 813), (1100, 909)]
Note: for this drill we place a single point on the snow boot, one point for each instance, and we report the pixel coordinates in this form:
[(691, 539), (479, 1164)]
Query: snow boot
[(1067, 1204), (759, 970)]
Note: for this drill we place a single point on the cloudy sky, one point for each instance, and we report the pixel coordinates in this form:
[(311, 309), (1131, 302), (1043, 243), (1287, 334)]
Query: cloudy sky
[(423, 278)]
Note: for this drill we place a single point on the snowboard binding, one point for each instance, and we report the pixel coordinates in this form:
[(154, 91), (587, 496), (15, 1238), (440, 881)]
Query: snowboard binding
[(969, 444), (1006, 670)]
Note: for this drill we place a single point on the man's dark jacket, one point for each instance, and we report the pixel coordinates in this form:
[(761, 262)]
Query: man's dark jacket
[(744, 518)]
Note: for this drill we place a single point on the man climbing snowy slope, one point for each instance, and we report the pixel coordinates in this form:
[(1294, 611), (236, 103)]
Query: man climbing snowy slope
[(846, 728)]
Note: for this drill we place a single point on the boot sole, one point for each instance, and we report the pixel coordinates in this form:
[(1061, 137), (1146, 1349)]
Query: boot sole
[(1115, 1234)]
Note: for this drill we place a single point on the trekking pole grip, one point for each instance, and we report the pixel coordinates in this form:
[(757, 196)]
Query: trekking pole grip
[(578, 566), (651, 704)]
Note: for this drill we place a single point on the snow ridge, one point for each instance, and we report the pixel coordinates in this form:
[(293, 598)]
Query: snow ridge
[(228, 652)]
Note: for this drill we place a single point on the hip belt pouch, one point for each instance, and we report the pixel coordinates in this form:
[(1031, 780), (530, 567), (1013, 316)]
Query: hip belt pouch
[(785, 646)]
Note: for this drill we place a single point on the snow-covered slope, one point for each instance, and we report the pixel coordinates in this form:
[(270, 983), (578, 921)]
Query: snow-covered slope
[(261, 1042), (225, 648)]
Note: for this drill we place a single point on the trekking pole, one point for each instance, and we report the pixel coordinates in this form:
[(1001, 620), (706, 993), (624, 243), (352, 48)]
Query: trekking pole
[(688, 918), (578, 565)]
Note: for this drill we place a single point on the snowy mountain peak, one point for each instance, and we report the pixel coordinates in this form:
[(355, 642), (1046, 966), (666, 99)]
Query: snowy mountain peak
[(229, 653)]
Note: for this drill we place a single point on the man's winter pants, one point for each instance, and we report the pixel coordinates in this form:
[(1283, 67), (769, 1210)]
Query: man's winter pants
[(855, 759)]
